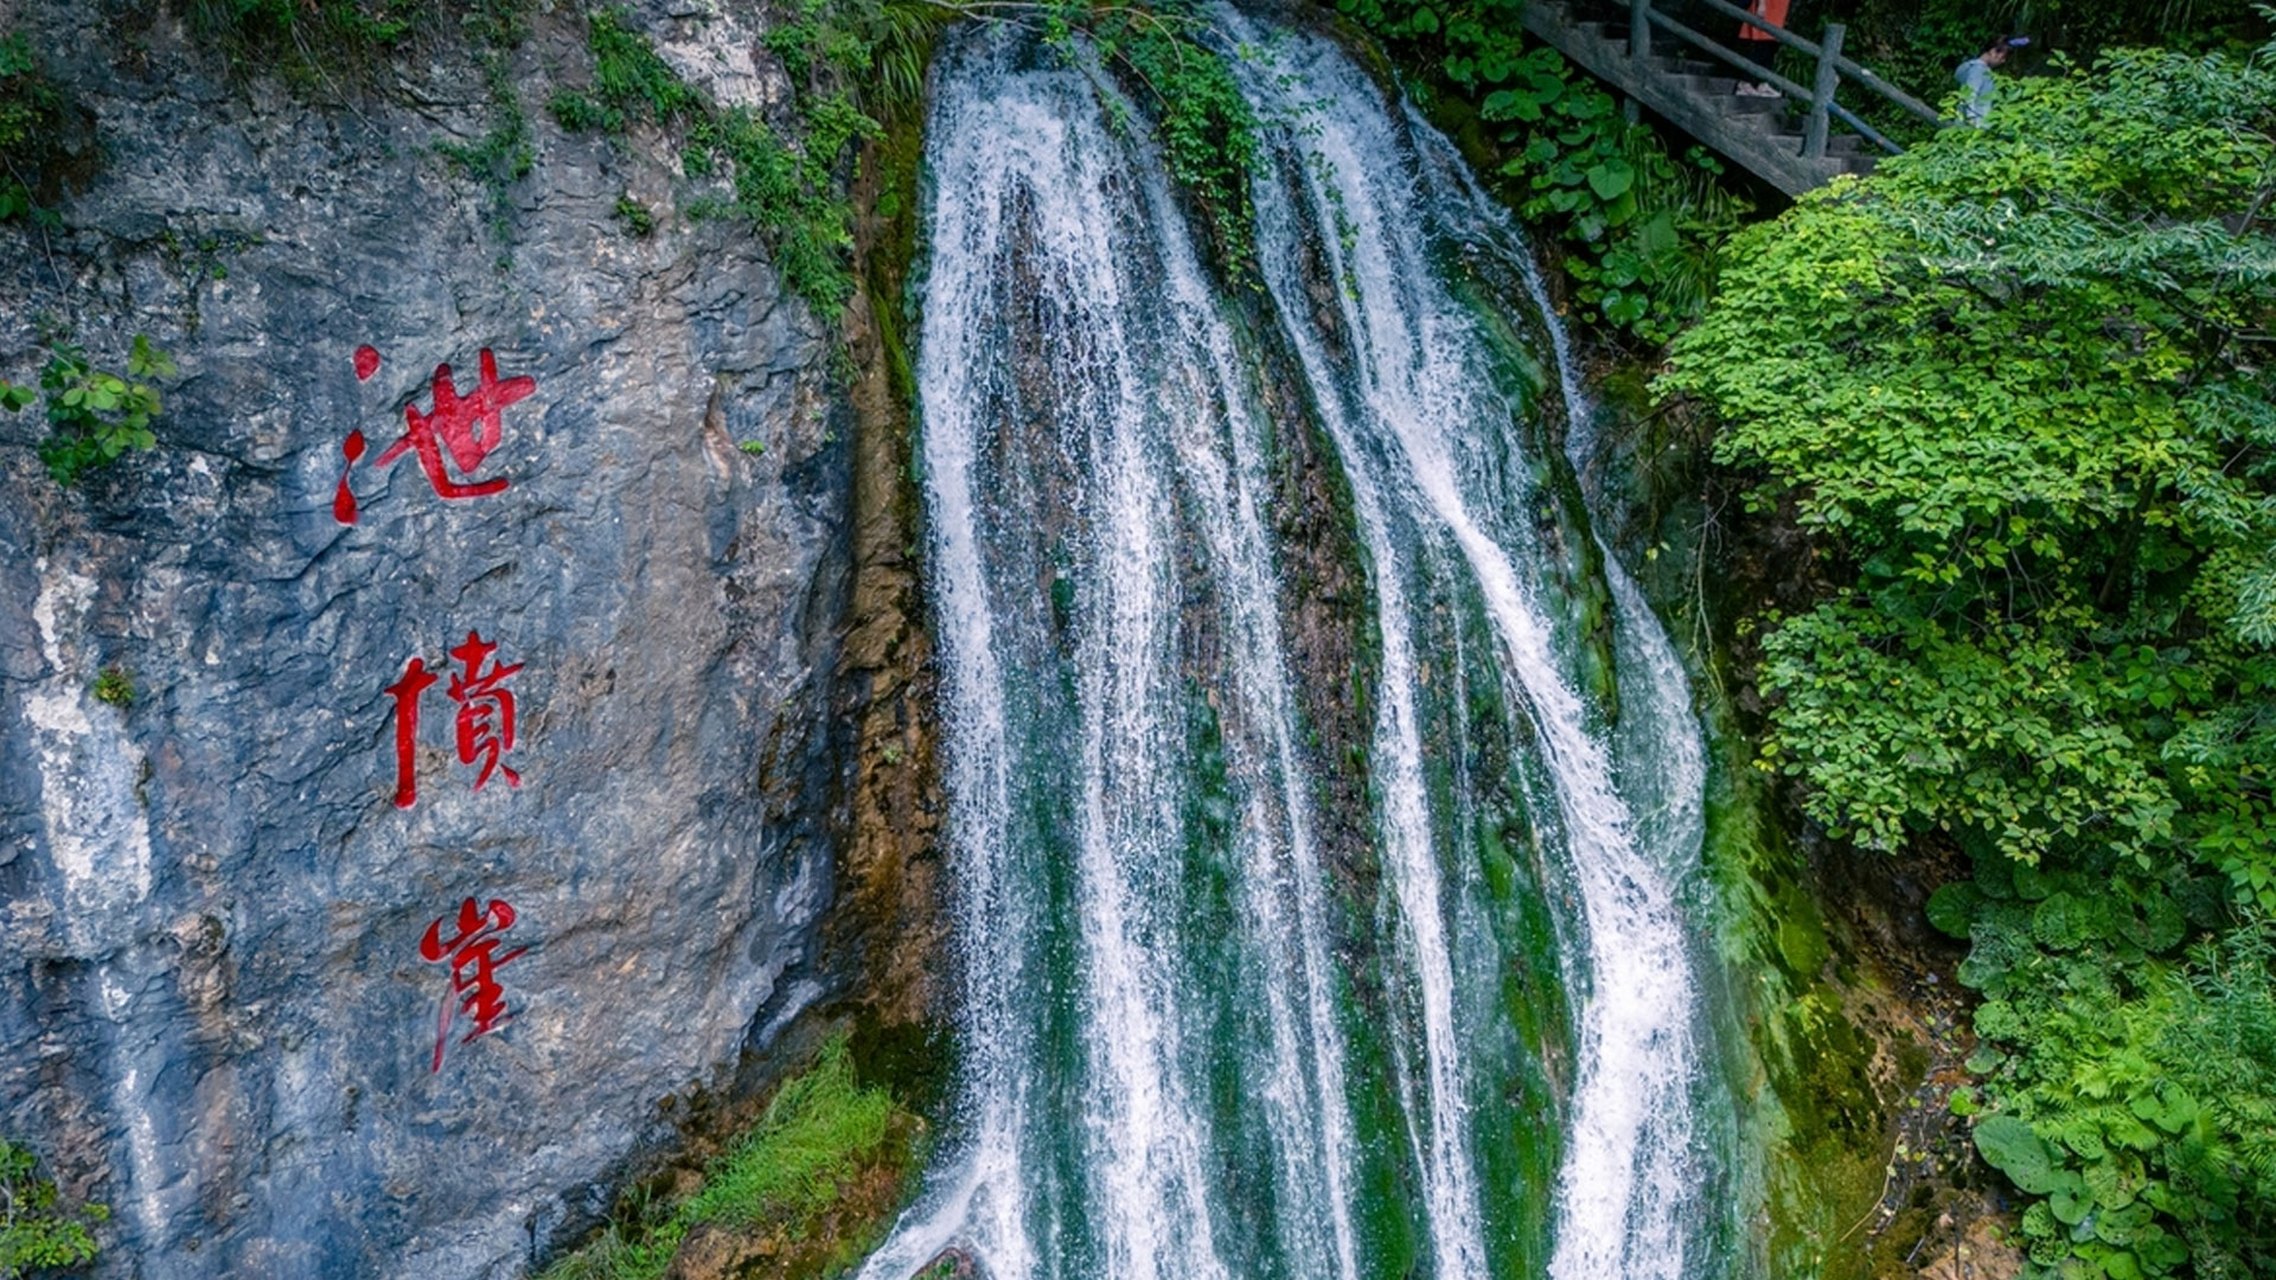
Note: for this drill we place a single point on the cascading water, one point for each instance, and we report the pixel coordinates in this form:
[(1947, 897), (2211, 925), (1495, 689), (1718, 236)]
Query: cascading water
[(1240, 999)]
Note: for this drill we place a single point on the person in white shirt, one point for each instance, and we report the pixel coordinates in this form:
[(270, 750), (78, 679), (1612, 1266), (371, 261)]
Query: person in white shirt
[(1975, 76)]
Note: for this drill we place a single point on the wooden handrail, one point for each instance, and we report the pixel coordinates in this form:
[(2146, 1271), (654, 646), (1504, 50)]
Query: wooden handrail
[(1821, 93), (1736, 59), (1866, 131), (1778, 33), (1865, 76), (1831, 67)]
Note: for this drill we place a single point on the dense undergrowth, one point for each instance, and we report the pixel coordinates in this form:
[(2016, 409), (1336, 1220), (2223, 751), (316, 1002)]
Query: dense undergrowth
[(2015, 388), (779, 1182), (1639, 226)]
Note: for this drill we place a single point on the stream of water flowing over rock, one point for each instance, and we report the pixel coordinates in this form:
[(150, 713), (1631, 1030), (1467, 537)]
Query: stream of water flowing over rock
[(1246, 994)]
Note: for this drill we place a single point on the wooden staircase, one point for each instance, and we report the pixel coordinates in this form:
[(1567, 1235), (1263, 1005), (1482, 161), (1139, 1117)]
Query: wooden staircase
[(1661, 61)]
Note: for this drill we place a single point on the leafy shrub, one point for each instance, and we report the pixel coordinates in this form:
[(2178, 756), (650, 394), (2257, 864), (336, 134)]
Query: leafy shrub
[(1640, 227), (93, 416), (2026, 425), (2014, 387), (2137, 1081), (635, 217), (35, 1233), (114, 686), (1643, 226)]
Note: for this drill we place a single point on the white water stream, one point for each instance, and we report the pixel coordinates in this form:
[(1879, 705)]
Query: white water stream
[(1207, 1030)]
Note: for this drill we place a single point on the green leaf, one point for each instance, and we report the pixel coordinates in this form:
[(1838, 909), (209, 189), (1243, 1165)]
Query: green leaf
[(1952, 908), (1611, 178), (2010, 1146)]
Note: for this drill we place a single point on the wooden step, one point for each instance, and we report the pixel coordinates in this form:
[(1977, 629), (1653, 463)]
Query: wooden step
[(1730, 103)]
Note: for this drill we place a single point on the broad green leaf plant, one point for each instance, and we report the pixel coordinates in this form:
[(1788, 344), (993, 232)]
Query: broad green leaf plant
[(93, 415), (2016, 387), (1639, 229)]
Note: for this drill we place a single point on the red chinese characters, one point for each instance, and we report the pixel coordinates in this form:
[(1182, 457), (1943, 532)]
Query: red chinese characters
[(454, 432), (485, 720), (471, 951)]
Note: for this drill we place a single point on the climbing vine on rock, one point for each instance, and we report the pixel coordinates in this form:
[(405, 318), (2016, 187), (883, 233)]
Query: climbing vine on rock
[(847, 59)]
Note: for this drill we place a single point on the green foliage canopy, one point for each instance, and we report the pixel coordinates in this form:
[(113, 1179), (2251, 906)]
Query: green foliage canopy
[(2016, 381), (2016, 386)]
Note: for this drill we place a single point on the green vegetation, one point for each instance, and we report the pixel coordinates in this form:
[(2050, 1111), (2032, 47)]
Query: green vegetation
[(32, 108), (847, 59), (115, 687), (1645, 226), (1207, 134), (336, 42), (36, 1233), (93, 416), (504, 155), (786, 1177), (2015, 388), (1639, 230), (637, 221), (853, 62)]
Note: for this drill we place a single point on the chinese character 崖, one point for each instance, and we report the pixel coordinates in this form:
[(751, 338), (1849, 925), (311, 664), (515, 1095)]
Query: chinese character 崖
[(472, 953)]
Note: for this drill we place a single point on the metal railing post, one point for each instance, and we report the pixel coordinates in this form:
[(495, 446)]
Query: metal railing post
[(1821, 94), (1639, 29)]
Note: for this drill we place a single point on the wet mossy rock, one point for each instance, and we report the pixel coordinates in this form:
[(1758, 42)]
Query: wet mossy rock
[(1828, 976), (226, 1028)]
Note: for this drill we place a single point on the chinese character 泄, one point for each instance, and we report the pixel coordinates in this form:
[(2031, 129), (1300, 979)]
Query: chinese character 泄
[(485, 728), (466, 428), (472, 954)]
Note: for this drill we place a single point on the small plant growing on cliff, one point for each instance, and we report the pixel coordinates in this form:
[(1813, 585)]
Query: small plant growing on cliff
[(635, 217), (31, 107), (115, 686), (93, 415), (795, 1173), (35, 1232)]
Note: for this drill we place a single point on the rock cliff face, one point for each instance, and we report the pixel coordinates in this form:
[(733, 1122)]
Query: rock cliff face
[(216, 922)]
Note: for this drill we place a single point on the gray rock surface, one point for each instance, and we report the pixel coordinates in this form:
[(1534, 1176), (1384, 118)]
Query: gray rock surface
[(216, 1015)]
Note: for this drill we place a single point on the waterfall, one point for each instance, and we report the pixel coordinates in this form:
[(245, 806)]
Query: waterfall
[(1239, 1000)]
